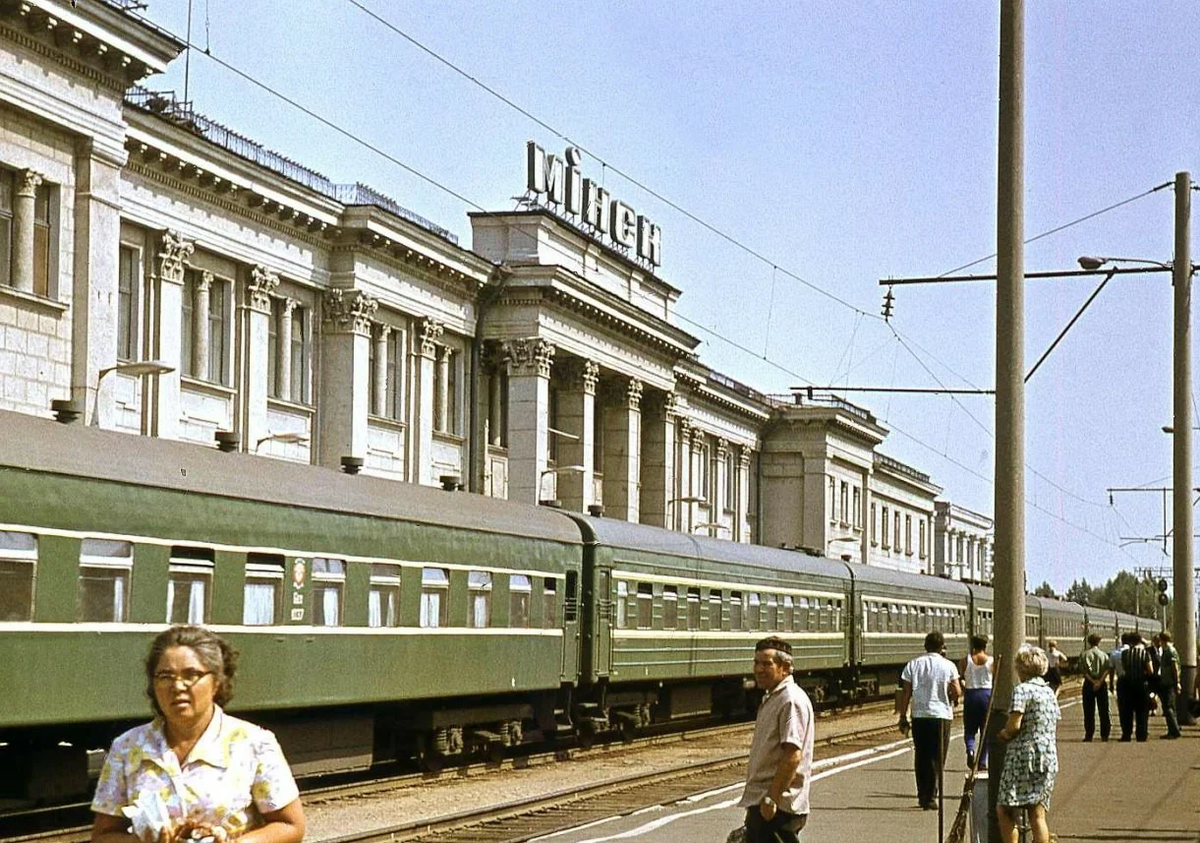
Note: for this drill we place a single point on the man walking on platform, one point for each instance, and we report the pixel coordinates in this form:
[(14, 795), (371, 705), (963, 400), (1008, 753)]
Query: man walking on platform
[(1095, 689), (930, 682), (1137, 668), (777, 775), (1169, 687)]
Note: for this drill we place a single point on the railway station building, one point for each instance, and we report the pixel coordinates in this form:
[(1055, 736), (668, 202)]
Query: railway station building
[(162, 275)]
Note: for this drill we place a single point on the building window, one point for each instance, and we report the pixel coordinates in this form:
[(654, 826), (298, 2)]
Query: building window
[(18, 565), (844, 502), (37, 277), (129, 273), (329, 584), (703, 489), (288, 357), (479, 599), (445, 391), (884, 527), (264, 584), (435, 603), (832, 499), (189, 585), (730, 481), (42, 241), (7, 189), (921, 546), (104, 572), (908, 534), (874, 535), (383, 598), (856, 515), (394, 369), (896, 531)]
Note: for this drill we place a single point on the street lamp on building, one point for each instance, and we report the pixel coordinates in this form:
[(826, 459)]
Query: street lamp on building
[(136, 368), (711, 527), (287, 437), (556, 469)]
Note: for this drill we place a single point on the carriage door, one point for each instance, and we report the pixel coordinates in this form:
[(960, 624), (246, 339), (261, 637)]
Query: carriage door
[(604, 623)]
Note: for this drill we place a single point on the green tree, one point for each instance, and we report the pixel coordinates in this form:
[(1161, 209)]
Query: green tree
[(1080, 592), (1044, 590)]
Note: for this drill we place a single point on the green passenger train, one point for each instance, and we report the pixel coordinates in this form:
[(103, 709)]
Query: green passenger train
[(379, 620)]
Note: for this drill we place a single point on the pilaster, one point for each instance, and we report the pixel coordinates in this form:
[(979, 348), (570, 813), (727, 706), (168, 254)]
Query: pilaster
[(167, 337), (345, 366), (255, 354), (622, 457), (657, 469), (530, 362), (425, 410), (741, 508), (577, 415)]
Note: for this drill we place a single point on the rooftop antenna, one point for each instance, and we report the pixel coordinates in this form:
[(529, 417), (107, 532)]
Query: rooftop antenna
[(187, 57)]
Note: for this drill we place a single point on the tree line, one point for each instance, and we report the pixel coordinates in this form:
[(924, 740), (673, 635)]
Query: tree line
[(1122, 593)]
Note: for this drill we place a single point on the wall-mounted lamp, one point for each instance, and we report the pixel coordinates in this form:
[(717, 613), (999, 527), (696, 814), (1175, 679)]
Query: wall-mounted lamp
[(137, 368), (287, 437), (557, 469)]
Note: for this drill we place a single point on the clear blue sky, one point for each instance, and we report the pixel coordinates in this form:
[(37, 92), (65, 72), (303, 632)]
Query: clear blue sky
[(844, 141)]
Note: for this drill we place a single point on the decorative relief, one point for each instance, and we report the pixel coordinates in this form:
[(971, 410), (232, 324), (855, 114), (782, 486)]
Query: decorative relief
[(429, 331), (28, 183), (263, 282), (496, 355), (532, 354), (175, 250), (349, 310)]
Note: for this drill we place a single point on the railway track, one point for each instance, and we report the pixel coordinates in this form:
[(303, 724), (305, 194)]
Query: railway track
[(72, 823)]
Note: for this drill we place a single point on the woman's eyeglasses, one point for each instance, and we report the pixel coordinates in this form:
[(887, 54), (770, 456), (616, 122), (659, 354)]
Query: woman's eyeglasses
[(188, 677)]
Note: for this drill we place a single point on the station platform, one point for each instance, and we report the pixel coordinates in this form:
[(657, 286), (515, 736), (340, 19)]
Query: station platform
[(1105, 791)]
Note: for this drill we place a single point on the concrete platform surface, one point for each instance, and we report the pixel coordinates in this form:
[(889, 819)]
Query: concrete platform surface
[(1105, 793)]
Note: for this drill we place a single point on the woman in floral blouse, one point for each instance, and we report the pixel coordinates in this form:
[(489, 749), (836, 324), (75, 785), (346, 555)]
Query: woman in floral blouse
[(1031, 760), (195, 772)]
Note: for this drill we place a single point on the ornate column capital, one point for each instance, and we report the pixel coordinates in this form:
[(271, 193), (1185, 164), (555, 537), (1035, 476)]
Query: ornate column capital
[(174, 252), (697, 438), (28, 181), (583, 374), (349, 310), (263, 283), (744, 459), (205, 283), (496, 355), (722, 448), (429, 331), (534, 355), (289, 305), (382, 331), (630, 396)]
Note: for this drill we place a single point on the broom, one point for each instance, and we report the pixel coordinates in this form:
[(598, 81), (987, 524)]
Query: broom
[(958, 831)]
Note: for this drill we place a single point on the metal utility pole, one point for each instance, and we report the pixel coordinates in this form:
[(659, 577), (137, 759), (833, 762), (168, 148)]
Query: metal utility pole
[(1009, 556), (1184, 619)]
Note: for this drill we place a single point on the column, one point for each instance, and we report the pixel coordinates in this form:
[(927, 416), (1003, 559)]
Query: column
[(577, 415), (201, 327), (94, 281), (28, 181), (256, 339), (167, 338), (425, 402), (380, 339), (495, 417), (719, 479), (658, 460), (622, 458), (283, 354), (683, 508), (741, 512), (345, 340), (528, 416)]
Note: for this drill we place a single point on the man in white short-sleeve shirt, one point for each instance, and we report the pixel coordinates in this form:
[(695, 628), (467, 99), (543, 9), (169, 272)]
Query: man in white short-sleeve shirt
[(777, 775), (931, 685)]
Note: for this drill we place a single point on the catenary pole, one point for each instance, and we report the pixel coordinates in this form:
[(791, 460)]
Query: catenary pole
[(1009, 556), (1184, 619)]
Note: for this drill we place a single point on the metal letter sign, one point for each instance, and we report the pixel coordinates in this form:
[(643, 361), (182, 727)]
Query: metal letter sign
[(558, 182)]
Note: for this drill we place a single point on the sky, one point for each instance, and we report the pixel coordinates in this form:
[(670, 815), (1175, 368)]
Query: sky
[(806, 150)]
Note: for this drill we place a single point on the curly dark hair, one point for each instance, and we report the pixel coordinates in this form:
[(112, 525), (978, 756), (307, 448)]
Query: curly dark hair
[(212, 650)]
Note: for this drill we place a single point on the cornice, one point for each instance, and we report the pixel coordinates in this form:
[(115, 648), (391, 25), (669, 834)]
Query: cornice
[(404, 257)]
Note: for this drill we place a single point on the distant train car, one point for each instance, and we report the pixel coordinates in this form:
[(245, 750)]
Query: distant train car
[(1066, 623), (1033, 621), (1103, 622), (983, 611)]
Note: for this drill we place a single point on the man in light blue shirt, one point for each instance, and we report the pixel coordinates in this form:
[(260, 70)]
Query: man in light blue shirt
[(931, 685)]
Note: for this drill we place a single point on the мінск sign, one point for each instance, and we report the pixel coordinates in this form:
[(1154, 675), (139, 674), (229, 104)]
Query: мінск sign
[(558, 182)]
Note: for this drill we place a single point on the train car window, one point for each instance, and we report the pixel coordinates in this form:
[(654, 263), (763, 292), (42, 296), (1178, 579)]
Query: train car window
[(736, 607), (383, 598), (549, 602), (693, 608), (645, 605), (189, 585), (716, 600), (104, 571), (329, 587), (264, 583), (826, 615), (873, 625), (837, 614), (622, 604), (802, 616), (772, 621), (571, 603), (670, 604), (479, 599), (754, 611), (18, 565), (520, 597), (787, 618), (435, 597)]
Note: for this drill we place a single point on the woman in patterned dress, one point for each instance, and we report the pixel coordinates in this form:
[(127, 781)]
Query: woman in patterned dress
[(195, 772), (1031, 760)]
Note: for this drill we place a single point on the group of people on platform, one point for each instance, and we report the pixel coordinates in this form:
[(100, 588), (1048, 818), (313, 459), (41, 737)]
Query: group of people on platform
[(1140, 674)]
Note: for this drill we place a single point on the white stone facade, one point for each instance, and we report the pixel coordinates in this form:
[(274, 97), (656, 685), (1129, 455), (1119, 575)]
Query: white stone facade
[(163, 276), (962, 544)]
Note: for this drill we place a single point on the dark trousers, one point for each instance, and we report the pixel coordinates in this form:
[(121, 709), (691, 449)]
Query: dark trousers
[(783, 827), (931, 739), (1095, 698), (1169, 701), (1133, 701), (975, 706)]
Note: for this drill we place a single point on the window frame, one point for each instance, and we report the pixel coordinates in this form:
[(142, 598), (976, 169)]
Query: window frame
[(20, 556), (97, 562), (327, 580)]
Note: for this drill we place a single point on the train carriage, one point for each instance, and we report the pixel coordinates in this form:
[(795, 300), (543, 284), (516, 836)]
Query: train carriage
[(1033, 621), (894, 612), (1129, 623), (674, 619), (983, 610), (1066, 623), (1103, 622), (354, 601)]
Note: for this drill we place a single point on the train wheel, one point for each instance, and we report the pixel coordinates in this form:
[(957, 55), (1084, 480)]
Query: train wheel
[(628, 730), (586, 734)]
